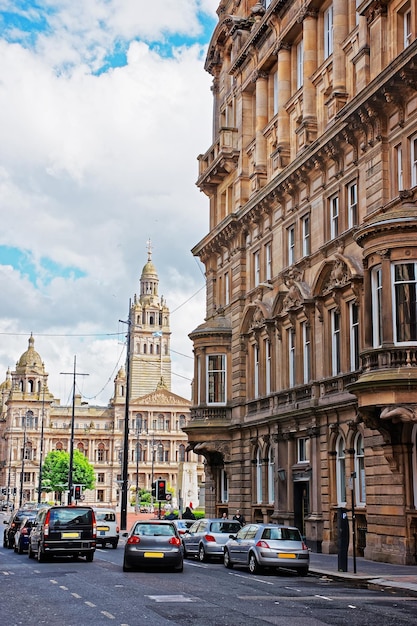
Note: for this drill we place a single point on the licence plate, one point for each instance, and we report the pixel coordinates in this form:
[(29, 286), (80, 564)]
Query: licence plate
[(153, 555), (70, 535), (286, 555), (103, 528)]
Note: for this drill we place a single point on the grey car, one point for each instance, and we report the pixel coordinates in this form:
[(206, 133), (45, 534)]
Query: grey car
[(206, 537), (267, 545), (153, 544)]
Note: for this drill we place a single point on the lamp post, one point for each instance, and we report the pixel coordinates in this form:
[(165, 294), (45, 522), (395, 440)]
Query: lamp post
[(41, 446), (153, 447), (137, 466)]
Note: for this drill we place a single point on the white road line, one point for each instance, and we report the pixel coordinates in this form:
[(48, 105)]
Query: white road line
[(63, 587), (106, 614), (323, 597), (76, 595), (90, 604), (260, 580), (54, 582)]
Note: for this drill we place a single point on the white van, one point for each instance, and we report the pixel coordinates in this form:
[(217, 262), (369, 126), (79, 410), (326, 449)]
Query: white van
[(107, 527)]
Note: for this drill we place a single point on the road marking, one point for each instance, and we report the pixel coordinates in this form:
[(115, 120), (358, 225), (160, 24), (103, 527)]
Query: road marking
[(106, 614), (90, 604), (323, 597), (54, 582), (197, 565), (63, 587), (260, 580), (176, 598), (351, 606), (293, 589), (76, 595)]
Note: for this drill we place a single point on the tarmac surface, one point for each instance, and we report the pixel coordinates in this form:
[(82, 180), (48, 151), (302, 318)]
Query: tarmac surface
[(370, 574)]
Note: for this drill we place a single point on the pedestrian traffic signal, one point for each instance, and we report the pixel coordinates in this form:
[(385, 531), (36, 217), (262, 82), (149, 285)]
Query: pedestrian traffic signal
[(77, 492), (154, 489), (161, 489)]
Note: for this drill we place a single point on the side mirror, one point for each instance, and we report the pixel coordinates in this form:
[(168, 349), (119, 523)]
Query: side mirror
[(125, 534), (232, 537)]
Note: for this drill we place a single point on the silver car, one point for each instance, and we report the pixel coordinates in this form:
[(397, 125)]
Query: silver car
[(267, 545), (206, 537)]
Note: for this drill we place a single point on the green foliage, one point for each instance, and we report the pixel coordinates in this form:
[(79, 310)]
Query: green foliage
[(56, 467)]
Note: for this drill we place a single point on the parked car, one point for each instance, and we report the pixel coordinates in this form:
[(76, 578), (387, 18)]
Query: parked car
[(22, 534), (63, 530), (206, 537), (107, 527), (182, 525), (12, 524), (151, 544), (267, 545), (6, 505)]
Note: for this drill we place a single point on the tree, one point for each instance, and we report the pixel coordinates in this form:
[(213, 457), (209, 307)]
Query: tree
[(56, 467)]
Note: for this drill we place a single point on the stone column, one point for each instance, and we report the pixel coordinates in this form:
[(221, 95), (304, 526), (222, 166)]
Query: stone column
[(261, 113), (284, 94), (340, 31), (310, 64)]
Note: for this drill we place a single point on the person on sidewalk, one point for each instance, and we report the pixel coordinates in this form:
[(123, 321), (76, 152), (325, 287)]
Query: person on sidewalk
[(239, 518)]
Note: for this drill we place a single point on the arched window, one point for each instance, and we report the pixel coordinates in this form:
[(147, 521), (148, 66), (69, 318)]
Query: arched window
[(160, 422), (258, 476), (340, 471), (160, 453), (360, 470), (80, 448), (182, 421), (271, 474), (181, 453), (100, 452), (138, 422)]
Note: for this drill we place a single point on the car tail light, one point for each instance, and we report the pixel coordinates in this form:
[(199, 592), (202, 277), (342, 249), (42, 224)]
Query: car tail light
[(117, 529), (133, 539), (210, 538), (262, 544), (94, 525), (175, 541), (24, 531), (46, 525), (303, 545)]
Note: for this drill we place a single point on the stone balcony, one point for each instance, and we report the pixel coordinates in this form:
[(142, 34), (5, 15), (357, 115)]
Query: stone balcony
[(219, 160)]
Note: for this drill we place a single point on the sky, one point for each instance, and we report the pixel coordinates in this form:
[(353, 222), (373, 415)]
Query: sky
[(105, 106)]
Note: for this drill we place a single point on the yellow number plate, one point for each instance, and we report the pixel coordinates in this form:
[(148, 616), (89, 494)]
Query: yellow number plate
[(153, 555), (103, 528), (70, 535), (286, 555)]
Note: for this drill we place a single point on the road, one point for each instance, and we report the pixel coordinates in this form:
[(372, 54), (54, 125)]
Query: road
[(76, 593)]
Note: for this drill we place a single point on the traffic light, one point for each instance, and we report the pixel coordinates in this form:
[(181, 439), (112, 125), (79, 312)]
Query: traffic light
[(77, 492), (161, 489), (4, 491), (154, 489)]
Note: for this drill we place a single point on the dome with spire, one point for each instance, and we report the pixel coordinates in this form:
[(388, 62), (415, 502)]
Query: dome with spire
[(30, 358)]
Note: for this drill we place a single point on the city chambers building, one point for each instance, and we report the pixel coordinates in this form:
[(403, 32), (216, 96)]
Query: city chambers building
[(33, 422), (305, 390)]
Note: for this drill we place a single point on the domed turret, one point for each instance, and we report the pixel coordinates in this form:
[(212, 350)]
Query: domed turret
[(30, 359)]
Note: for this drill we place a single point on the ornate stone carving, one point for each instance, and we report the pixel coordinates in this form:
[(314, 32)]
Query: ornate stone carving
[(399, 414)]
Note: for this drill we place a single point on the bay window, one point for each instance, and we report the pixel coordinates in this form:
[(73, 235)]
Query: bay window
[(216, 379)]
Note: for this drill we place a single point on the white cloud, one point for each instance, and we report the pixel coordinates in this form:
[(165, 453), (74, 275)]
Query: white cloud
[(92, 165)]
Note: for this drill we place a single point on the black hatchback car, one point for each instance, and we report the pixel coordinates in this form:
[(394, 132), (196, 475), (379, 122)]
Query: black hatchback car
[(13, 524), (63, 531)]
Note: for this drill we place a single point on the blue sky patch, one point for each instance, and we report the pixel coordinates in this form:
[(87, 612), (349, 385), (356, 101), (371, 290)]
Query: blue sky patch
[(43, 272)]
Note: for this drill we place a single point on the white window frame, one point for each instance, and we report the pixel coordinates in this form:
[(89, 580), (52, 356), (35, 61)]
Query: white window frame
[(352, 204), (413, 155), (291, 244), (412, 289), (276, 92), (306, 352), (268, 367), (271, 475), (376, 283), (216, 377), (256, 268), (259, 482), (328, 31), (303, 450), (226, 289), (291, 357), (256, 372), (336, 339), (306, 235), (340, 471), (268, 261), (354, 336), (360, 483), (334, 216), (224, 486), (300, 64), (407, 31), (399, 165)]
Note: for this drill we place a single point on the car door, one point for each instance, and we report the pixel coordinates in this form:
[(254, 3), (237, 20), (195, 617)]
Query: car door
[(234, 545), (248, 542), (192, 536)]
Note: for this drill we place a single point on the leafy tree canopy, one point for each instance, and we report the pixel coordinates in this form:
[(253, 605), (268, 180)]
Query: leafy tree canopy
[(56, 467)]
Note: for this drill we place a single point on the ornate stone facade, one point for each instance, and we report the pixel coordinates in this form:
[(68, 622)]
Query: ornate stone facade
[(306, 366)]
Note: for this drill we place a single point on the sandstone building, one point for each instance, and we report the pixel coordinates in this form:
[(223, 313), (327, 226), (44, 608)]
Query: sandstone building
[(33, 422), (305, 392)]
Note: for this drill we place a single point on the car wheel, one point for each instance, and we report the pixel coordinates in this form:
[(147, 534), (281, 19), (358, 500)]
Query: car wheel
[(202, 554), (9, 545), (41, 556), (89, 557), (254, 567), (31, 554), (186, 555), (179, 568), (126, 566), (226, 560), (114, 544), (20, 548), (302, 571), (4, 542)]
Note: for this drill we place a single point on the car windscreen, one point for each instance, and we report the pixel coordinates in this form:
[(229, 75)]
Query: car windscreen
[(283, 534), (105, 516), (225, 527), (154, 530), (70, 517)]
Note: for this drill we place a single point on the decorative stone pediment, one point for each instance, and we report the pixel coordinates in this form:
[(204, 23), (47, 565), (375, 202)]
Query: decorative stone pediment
[(344, 269), (298, 291)]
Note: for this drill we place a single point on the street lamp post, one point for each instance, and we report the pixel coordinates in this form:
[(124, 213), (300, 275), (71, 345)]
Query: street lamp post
[(153, 446), (137, 467)]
